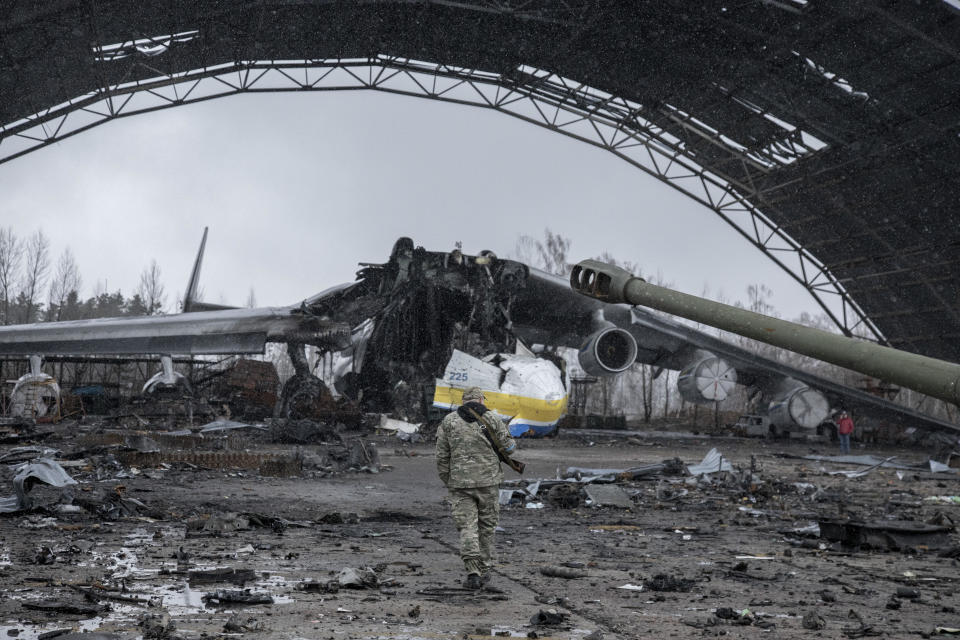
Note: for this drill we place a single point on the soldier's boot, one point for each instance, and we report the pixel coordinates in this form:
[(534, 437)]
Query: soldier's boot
[(473, 581), (485, 578)]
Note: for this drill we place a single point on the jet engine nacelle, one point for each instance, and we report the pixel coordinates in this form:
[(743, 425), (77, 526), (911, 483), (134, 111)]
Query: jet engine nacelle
[(801, 406), (608, 352), (708, 379)]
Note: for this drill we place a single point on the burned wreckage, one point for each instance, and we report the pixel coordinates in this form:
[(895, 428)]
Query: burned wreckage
[(392, 331), (412, 332)]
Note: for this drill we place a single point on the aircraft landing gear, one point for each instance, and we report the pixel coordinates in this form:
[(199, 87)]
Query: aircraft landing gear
[(304, 394)]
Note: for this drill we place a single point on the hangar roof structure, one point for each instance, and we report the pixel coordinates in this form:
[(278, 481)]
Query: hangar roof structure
[(827, 132)]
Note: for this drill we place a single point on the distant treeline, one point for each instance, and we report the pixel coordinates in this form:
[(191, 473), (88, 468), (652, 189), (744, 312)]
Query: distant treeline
[(33, 290)]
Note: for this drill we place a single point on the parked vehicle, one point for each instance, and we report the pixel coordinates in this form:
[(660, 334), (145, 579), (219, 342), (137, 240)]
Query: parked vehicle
[(752, 425), (760, 426)]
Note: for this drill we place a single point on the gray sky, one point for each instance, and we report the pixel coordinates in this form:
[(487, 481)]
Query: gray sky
[(299, 188)]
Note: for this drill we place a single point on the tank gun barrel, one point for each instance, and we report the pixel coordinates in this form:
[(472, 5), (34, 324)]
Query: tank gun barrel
[(937, 378)]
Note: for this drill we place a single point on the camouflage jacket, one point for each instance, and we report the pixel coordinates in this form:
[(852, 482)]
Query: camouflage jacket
[(465, 458)]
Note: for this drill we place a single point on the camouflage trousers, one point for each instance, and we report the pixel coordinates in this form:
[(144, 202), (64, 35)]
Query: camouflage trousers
[(476, 511)]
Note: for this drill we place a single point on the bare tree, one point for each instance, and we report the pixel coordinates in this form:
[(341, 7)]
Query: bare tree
[(667, 382), (151, 290), (646, 393), (251, 299), (759, 296), (630, 266), (66, 279), (35, 270), (11, 252), (551, 254), (100, 288)]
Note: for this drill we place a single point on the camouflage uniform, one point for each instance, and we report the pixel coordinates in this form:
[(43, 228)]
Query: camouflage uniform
[(470, 469)]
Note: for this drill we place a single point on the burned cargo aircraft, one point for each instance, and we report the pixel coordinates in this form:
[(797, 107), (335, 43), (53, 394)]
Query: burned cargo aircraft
[(391, 335)]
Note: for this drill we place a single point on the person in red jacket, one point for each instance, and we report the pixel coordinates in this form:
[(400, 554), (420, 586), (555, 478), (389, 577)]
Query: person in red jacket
[(844, 429)]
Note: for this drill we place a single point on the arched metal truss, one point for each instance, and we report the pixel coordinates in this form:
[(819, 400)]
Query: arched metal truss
[(548, 100)]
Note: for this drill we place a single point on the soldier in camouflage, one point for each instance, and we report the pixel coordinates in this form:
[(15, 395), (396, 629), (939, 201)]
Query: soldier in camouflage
[(470, 469)]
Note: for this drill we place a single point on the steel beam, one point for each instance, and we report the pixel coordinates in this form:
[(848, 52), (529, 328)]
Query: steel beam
[(621, 126)]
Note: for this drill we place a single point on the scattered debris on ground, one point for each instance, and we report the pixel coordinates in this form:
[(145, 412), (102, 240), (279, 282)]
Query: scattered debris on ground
[(186, 531)]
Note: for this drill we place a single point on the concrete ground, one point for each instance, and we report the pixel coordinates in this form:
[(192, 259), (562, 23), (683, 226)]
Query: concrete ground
[(725, 541)]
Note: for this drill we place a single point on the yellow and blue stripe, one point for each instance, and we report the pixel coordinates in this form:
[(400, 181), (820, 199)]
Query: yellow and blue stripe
[(524, 415)]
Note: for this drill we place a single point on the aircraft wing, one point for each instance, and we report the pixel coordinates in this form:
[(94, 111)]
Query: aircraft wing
[(756, 370), (323, 320), (231, 331), (536, 306), (550, 312)]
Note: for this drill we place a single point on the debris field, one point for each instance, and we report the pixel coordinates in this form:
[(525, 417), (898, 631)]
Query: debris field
[(607, 535)]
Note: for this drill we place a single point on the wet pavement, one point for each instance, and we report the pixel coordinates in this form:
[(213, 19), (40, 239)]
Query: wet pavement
[(689, 558)]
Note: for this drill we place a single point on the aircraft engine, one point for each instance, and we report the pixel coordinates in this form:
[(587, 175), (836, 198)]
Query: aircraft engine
[(608, 352), (707, 379), (802, 406)]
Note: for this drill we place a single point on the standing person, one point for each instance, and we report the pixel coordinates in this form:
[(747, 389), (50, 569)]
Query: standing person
[(470, 469), (844, 429)]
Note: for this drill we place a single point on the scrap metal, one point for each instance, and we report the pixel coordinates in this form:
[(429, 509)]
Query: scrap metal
[(273, 464), (886, 535), (41, 470)]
